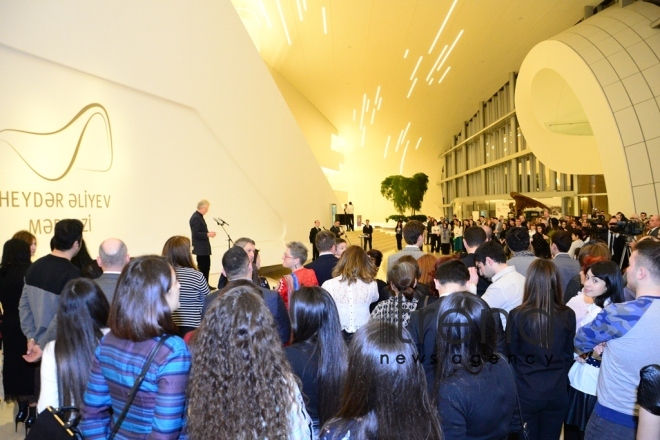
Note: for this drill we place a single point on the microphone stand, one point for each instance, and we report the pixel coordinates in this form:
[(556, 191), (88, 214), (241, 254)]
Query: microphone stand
[(230, 242), (346, 235)]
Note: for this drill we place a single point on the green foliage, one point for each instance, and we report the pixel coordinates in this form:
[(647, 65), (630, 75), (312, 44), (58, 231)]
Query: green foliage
[(405, 192), (418, 217), (406, 218)]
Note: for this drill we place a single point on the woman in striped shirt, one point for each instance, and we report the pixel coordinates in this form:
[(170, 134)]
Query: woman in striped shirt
[(194, 287), (140, 315)]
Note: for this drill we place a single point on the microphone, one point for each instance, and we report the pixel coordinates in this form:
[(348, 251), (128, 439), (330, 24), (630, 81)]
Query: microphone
[(324, 228), (216, 220), (223, 222)]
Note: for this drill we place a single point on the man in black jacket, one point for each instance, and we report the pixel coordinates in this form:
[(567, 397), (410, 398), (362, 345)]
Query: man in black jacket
[(312, 237), (450, 277), (326, 261), (236, 265), (367, 231), (200, 238)]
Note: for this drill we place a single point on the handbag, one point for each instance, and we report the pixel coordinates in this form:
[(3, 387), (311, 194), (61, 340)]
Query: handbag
[(51, 425), (584, 376), (524, 431), (136, 386)]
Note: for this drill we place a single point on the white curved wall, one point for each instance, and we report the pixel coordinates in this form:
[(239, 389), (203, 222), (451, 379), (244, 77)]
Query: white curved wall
[(193, 113), (611, 64)]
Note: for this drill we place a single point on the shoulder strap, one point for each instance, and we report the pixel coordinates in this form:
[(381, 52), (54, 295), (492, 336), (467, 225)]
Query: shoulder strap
[(136, 386)]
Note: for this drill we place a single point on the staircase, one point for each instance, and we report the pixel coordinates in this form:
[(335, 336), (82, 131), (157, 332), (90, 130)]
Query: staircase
[(383, 239)]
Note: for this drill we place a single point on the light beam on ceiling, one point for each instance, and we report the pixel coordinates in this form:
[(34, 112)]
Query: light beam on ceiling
[(443, 26)]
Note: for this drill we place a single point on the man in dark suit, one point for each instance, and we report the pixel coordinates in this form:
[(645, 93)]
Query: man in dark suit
[(336, 229), (236, 265), (567, 266), (200, 238), (450, 277), (367, 231), (616, 243), (654, 226), (312, 237), (326, 261)]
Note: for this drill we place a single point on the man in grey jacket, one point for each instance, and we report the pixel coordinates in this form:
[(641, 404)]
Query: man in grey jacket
[(44, 281), (113, 256)]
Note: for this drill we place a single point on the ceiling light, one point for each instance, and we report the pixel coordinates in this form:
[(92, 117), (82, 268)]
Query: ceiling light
[(444, 74), (431, 82), (403, 157), (299, 10), (405, 55), (415, 70), (377, 93), (286, 29), (387, 144), (405, 133), (325, 24), (450, 49), (443, 26), (399, 141), (373, 113), (263, 9), (418, 142), (436, 62), (380, 101), (305, 4), (411, 88)]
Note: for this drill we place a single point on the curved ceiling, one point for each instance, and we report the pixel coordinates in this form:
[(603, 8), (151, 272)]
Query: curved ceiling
[(340, 54)]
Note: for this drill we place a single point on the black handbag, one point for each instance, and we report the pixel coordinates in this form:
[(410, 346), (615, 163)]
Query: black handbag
[(51, 425)]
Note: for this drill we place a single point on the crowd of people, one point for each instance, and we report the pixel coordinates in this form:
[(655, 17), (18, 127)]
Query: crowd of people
[(489, 342)]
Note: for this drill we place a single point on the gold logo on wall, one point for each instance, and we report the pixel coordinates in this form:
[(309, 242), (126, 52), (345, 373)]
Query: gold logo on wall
[(85, 141)]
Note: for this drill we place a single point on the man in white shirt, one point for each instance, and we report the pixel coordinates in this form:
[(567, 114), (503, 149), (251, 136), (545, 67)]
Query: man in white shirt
[(508, 286), (350, 209)]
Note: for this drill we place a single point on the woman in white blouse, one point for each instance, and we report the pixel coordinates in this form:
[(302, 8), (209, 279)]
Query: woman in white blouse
[(458, 236), (353, 288), (82, 318)]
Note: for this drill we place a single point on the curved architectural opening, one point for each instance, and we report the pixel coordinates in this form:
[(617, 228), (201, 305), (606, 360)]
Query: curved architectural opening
[(556, 106)]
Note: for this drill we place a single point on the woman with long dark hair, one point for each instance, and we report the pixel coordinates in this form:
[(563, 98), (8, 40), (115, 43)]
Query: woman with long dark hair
[(194, 286), (603, 286), (82, 319), (540, 242), (475, 389), (318, 355), (542, 330), (18, 376), (241, 385), (398, 232), (353, 288), (140, 315), (402, 278), (384, 398)]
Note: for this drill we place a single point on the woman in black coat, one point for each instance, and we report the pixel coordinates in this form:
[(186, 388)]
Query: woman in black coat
[(18, 376)]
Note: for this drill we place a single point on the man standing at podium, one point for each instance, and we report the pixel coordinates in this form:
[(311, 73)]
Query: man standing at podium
[(367, 231), (200, 238)]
